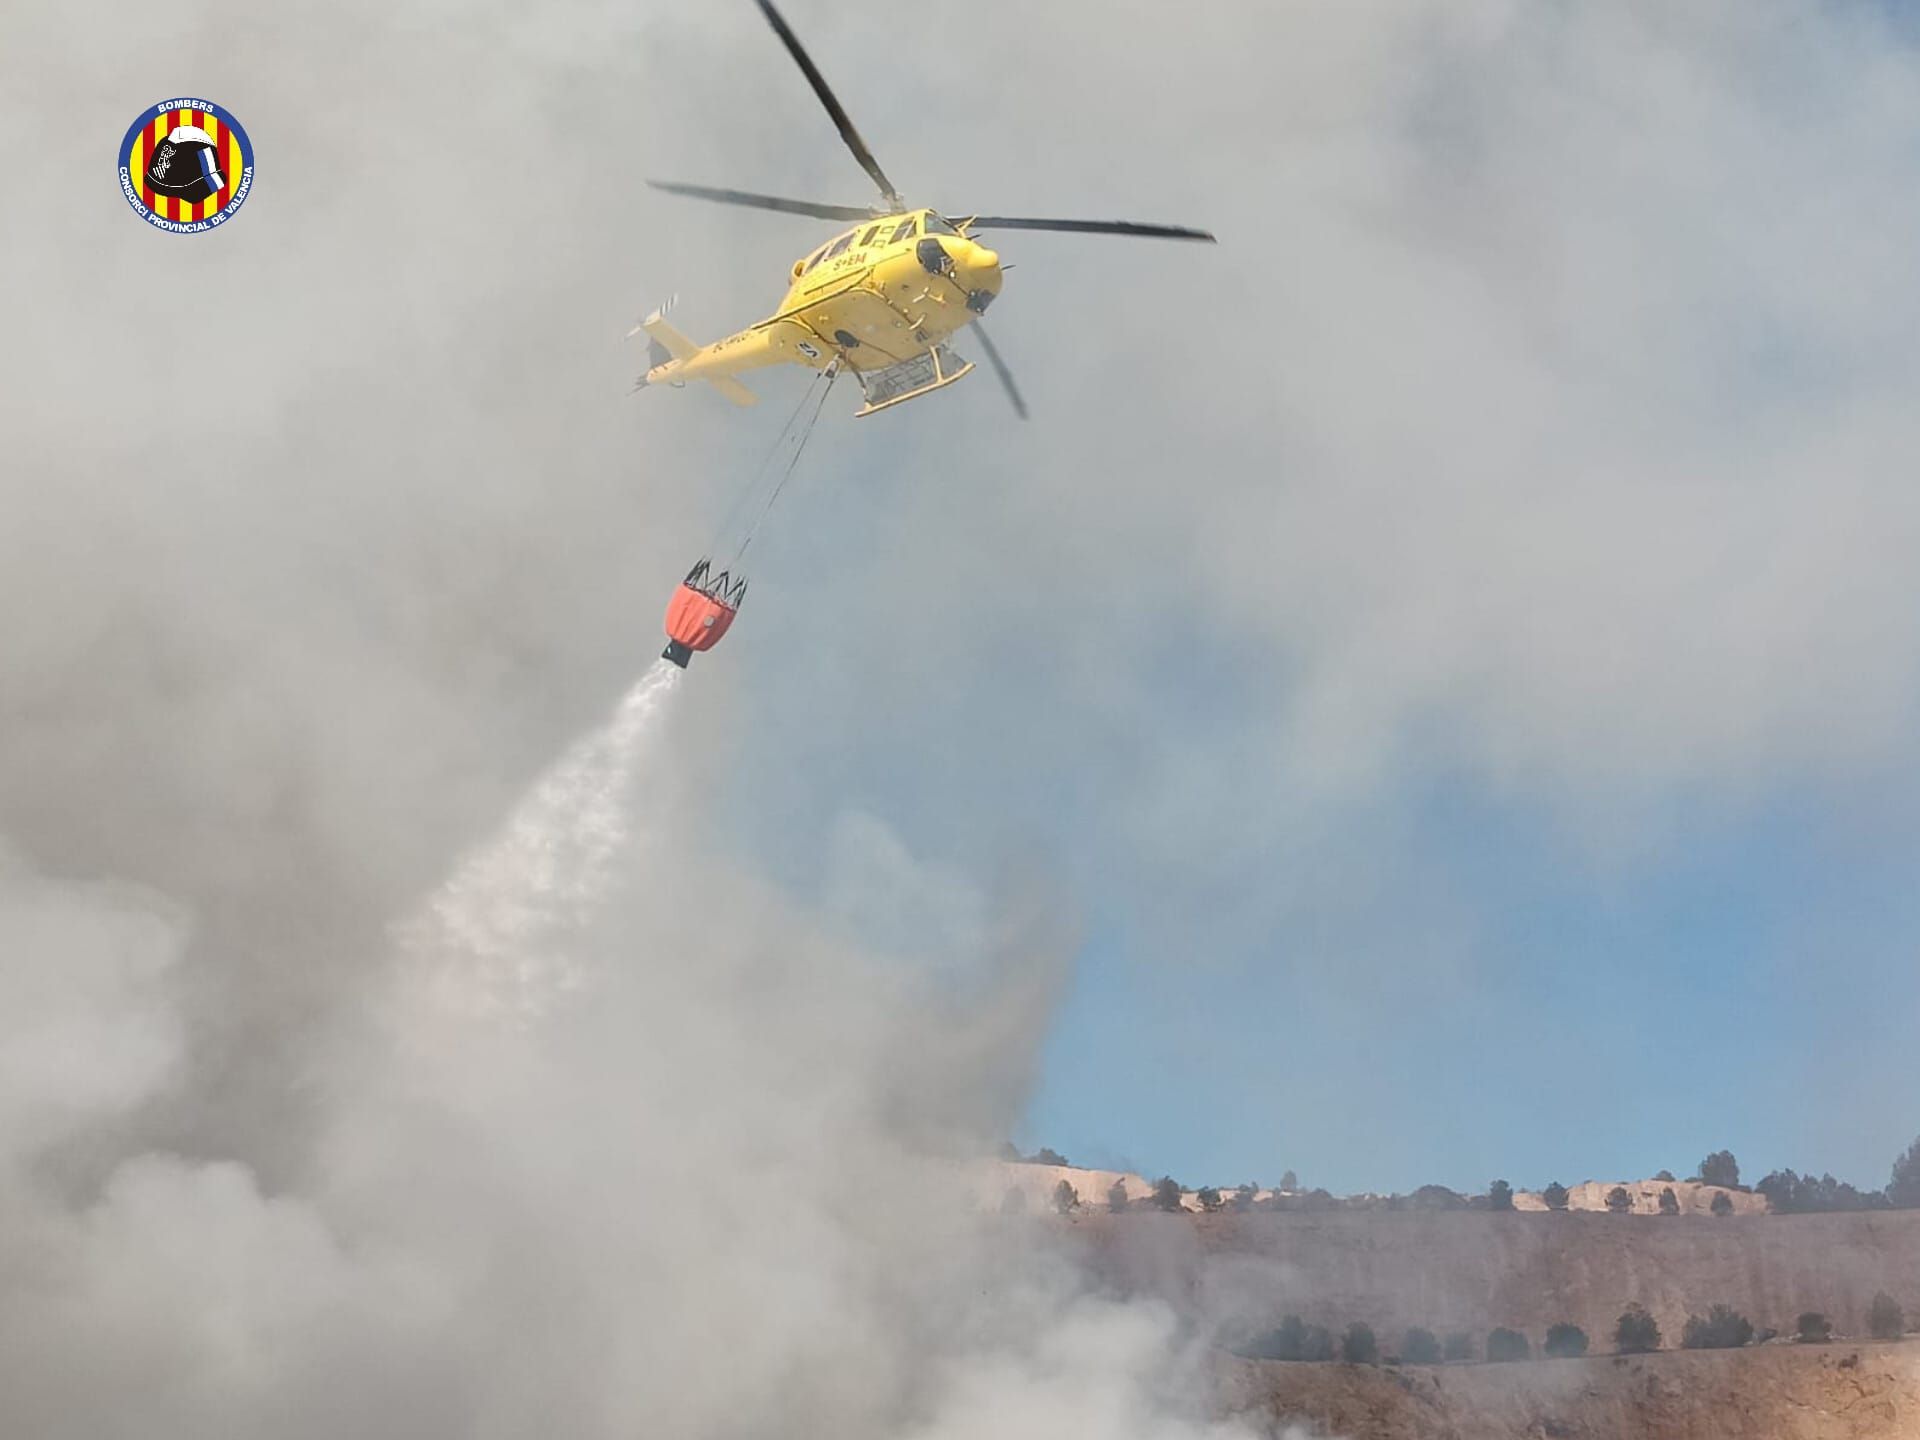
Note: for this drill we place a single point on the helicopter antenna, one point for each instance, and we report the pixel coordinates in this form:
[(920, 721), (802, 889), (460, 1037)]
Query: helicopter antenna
[(841, 121)]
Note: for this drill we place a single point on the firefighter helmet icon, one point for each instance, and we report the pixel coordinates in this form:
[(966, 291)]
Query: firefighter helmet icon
[(186, 166)]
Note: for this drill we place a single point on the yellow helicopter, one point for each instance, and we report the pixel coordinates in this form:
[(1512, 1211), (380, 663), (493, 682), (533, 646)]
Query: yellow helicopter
[(881, 299)]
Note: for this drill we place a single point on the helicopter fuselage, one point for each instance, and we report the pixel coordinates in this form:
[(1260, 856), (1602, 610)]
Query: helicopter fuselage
[(886, 293)]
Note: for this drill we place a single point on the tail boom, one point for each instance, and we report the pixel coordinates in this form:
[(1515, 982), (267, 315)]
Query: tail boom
[(677, 359)]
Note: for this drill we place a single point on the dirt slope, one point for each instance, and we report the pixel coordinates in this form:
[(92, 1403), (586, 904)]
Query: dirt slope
[(1472, 1271), (1840, 1392)]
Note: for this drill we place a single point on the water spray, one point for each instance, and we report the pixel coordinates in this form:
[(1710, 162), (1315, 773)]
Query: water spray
[(498, 938)]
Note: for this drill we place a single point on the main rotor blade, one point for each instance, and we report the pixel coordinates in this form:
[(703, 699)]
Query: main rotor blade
[(765, 202), (1000, 369), (1091, 227), (831, 101)]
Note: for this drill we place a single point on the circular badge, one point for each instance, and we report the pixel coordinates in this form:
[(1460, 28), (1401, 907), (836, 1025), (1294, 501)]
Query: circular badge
[(186, 166)]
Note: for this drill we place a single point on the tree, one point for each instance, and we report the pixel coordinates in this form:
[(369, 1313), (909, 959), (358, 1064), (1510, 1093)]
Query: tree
[(1722, 1204), (1293, 1339), (1720, 1168), (1358, 1346), (1458, 1346), (1791, 1194), (1500, 1196), (1724, 1328), (1014, 1202), (1903, 1190), (1669, 1202), (1116, 1197), (1783, 1191), (1166, 1194), (1243, 1197), (1066, 1199), (1420, 1347), (1555, 1195), (1665, 1177), (1565, 1342), (1009, 1152), (1813, 1328), (1637, 1332), (1049, 1157), (1885, 1319), (1290, 1182), (1437, 1197), (1280, 1343), (1618, 1200), (1209, 1198), (1504, 1345)]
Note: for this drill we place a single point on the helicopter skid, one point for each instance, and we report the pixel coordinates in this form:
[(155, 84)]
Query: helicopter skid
[(893, 385)]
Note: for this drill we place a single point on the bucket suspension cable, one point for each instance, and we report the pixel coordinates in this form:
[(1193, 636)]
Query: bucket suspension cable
[(760, 473), (829, 375)]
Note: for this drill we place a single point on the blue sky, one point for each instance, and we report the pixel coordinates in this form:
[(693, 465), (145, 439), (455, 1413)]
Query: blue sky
[(1751, 992)]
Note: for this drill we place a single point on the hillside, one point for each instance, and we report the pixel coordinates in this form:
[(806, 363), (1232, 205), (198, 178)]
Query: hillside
[(1777, 1392), (1036, 1183), (1471, 1270)]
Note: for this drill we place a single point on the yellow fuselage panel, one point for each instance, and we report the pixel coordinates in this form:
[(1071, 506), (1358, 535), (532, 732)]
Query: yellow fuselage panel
[(881, 297), (884, 298)]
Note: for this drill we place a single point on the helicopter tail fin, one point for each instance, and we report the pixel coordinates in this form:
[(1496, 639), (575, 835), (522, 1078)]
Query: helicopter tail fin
[(665, 345), (678, 346)]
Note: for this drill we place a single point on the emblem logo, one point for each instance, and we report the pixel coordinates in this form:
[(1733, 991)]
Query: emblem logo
[(186, 166)]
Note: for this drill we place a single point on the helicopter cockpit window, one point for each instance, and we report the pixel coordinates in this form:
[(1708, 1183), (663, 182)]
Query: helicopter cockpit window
[(936, 225), (839, 246), (904, 230), (815, 259), (867, 239)]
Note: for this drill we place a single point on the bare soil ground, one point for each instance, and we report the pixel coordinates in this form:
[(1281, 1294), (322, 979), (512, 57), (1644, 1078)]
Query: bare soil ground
[(1774, 1392)]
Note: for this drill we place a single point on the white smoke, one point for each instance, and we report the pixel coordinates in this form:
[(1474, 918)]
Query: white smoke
[(686, 1189)]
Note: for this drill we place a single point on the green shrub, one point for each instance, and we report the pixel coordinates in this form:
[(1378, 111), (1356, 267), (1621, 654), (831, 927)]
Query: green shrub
[(1565, 1342), (1504, 1345), (1885, 1319), (1420, 1347), (1293, 1339), (1724, 1328), (1637, 1332), (1813, 1328)]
